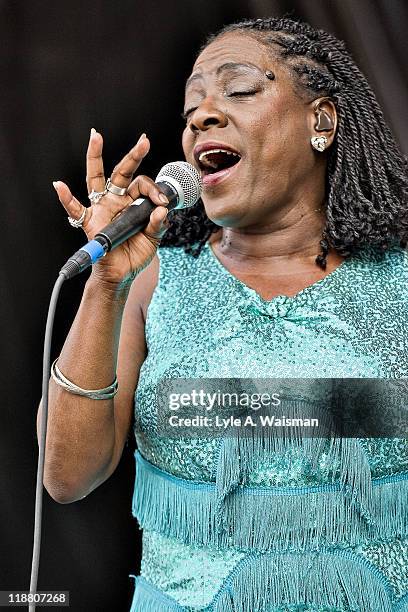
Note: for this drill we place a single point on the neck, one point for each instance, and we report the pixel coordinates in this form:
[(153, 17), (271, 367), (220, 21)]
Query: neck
[(292, 239)]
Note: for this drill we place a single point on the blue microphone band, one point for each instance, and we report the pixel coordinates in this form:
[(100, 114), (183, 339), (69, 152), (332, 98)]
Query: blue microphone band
[(94, 249), (85, 257)]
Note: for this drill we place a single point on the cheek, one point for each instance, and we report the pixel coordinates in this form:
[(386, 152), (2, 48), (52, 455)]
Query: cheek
[(270, 131), (187, 143), (284, 140)]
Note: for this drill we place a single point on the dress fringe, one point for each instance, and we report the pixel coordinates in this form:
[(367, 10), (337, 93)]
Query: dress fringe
[(265, 518), (347, 460), (331, 580)]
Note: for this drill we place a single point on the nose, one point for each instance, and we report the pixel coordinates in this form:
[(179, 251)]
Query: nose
[(208, 115)]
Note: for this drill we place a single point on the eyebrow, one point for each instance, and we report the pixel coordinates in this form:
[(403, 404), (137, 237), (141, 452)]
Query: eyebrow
[(223, 68)]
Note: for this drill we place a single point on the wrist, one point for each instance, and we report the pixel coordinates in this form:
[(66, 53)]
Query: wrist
[(116, 291)]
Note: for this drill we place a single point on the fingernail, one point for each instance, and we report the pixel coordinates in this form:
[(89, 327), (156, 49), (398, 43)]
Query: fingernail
[(163, 198), (55, 184), (142, 137), (93, 132)]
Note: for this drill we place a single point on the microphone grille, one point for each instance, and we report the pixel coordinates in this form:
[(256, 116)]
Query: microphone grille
[(188, 179)]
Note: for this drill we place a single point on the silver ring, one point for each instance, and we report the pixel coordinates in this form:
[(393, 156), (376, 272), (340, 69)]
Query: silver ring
[(77, 222), (119, 191), (95, 196)]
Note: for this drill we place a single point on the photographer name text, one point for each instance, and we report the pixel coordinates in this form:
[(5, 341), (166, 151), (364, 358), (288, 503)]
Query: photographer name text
[(249, 421)]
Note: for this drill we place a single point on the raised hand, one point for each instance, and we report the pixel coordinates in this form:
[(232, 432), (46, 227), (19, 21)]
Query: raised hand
[(127, 260)]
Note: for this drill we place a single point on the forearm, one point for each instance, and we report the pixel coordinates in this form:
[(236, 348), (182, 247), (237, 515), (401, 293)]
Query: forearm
[(85, 436), (81, 431)]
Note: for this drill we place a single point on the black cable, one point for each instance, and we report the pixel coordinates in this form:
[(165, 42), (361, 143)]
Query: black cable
[(42, 435)]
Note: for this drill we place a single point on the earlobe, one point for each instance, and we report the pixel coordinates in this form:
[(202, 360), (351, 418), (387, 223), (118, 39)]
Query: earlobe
[(319, 143)]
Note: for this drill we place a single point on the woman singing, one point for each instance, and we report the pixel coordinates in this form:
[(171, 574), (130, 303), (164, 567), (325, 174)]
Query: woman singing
[(292, 265)]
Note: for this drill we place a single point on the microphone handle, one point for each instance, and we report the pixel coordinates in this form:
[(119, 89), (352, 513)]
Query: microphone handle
[(134, 218)]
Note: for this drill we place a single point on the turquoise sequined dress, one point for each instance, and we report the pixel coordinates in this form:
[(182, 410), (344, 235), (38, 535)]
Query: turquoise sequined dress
[(224, 532)]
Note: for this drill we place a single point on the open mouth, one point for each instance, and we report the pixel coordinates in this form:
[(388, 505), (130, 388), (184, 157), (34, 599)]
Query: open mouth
[(214, 161)]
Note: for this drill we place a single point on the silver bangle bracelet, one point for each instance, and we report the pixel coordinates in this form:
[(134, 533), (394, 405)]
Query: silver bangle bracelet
[(97, 394)]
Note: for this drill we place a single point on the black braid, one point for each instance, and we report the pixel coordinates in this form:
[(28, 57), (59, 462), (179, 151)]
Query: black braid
[(366, 179)]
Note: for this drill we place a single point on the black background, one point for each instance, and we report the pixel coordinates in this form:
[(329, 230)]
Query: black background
[(120, 67)]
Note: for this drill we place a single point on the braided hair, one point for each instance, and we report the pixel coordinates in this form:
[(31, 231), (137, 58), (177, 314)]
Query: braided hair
[(366, 177)]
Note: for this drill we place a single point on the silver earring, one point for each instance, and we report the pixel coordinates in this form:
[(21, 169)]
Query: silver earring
[(319, 143)]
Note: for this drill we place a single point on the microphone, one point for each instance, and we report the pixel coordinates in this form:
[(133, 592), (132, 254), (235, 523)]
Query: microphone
[(182, 185)]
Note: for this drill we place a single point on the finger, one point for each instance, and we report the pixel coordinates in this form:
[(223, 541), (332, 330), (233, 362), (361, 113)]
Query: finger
[(95, 177), (157, 224), (73, 206), (123, 172), (145, 186)]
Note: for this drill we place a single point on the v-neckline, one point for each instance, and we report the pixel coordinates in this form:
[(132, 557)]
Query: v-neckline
[(316, 286)]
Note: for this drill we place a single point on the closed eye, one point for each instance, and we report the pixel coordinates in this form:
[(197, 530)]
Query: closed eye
[(236, 94)]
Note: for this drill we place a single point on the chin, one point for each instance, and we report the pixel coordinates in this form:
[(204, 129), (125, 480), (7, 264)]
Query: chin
[(223, 211)]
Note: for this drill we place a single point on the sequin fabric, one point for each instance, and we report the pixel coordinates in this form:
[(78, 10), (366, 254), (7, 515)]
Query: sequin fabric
[(204, 323), (194, 589)]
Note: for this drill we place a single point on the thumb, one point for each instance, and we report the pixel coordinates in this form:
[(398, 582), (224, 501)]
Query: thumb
[(158, 223)]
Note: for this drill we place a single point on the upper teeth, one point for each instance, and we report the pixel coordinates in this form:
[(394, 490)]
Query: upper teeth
[(203, 156)]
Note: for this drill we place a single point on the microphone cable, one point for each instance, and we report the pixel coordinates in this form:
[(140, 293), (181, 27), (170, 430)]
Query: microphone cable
[(43, 436)]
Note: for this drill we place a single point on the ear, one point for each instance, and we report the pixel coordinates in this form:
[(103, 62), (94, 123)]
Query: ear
[(323, 119)]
